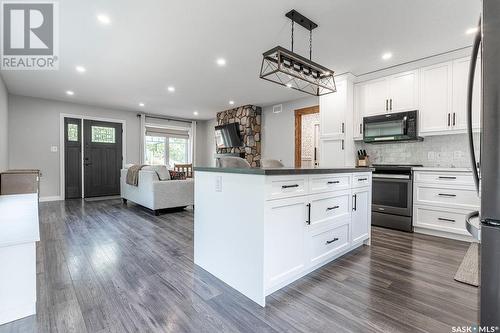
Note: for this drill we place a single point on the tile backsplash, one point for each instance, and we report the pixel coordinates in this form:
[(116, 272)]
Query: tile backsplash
[(435, 151)]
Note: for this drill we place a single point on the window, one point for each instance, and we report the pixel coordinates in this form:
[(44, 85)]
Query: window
[(166, 150), (103, 134), (72, 132)]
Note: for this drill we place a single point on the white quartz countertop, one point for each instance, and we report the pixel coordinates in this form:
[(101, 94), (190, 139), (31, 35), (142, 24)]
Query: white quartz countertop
[(19, 219), (441, 169)]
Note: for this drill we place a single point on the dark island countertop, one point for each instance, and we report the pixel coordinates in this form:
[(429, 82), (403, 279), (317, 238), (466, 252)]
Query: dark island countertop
[(284, 171)]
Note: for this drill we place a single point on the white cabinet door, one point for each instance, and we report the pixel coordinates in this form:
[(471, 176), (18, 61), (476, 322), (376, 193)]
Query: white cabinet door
[(357, 129), (373, 97), (332, 153), (403, 92), (285, 222), (435, 98), (460, 81), (332, 109), (361, 214)]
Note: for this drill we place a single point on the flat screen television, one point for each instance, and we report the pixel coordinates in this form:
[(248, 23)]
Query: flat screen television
[(227, 136)]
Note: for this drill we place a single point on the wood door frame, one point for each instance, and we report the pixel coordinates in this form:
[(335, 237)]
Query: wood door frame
[(62, 171), (298, 131)]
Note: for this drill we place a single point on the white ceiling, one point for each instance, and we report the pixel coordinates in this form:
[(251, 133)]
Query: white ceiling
[(152, 44)]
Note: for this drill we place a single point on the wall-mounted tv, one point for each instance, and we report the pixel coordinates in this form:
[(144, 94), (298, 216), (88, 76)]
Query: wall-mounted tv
[(227, 136)]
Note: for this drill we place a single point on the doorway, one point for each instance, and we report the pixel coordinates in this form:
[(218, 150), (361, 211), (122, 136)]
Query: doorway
[(95, 147), (307, 132)]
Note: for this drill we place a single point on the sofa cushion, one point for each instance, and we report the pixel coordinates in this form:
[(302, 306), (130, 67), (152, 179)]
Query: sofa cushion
[(177, 175), (161, 171)]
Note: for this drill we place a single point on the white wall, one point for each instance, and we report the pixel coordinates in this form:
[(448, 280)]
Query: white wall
[(278, 131), (205, 140), (34, 128), (4, 148)]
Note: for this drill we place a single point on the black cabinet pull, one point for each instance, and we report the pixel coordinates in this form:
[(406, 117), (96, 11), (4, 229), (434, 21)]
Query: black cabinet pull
[(360, 128), (447, 220), (343, 128), (362, 179), (447, 195), (454, 118), (447, 177), (334, 182), (290, 186), (308, 214), (390, 107), (332, 208), (386, 105), (355, 202), (449, 122), (342, 144), (331, 241)]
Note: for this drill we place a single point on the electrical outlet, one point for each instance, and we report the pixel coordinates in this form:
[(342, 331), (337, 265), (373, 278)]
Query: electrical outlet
[(218, 184), (53, 149), (431, 156)]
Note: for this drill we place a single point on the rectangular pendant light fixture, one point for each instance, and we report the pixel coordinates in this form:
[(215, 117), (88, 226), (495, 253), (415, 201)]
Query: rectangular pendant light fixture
[(294, 71)]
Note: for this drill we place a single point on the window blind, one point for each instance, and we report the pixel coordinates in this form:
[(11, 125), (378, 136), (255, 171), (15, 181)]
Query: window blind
[(175, 133)]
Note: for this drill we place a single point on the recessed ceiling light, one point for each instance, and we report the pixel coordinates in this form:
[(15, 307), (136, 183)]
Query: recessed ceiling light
[(221, 62), (387, 56), (171, 89), (471, 31), (70, 93), (195, 113), (80, 69), (104, 19), (142, 104), (231, 102)]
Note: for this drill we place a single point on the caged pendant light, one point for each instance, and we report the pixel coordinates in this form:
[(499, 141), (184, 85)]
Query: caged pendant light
[(294, 71)]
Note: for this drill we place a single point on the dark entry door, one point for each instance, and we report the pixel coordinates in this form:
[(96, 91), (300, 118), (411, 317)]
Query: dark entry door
[(102, 158), (73, 158)]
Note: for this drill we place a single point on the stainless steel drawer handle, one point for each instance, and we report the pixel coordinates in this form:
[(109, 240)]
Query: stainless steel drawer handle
[(362, 179), (334, 182), (447, 195), (290, 186), (446, 220), (332, 208), (447, 177), (331, 241)]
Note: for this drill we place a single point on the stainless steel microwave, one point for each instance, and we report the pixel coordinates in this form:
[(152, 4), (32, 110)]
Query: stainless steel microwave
[(401, 126)]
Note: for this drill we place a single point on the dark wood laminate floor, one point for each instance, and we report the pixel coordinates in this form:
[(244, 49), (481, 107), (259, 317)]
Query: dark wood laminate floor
[(104, 267)]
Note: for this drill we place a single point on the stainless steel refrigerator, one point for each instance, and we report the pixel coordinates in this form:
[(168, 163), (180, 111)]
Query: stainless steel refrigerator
[(487, 170)]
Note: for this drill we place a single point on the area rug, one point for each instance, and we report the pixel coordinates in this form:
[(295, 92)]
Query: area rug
[(468, 272)]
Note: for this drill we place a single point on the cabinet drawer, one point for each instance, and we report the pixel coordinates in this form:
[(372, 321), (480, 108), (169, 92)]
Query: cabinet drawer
[(330, 207), (327, 243), (325, 183), (449, 178), (361, 179), (465, 197), (285, 186), (441, 219)]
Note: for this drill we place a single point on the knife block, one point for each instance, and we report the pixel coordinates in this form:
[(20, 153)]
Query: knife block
[(364, 162)]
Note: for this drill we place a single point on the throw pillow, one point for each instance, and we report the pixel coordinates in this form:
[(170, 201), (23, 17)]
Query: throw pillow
[(163, 173), (177, 175)]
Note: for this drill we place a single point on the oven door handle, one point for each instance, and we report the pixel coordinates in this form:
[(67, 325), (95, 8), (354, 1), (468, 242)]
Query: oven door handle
[(389, 176)]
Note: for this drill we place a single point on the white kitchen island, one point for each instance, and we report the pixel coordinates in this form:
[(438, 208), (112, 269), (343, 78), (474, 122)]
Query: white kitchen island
[(19, 233), (260, 229)]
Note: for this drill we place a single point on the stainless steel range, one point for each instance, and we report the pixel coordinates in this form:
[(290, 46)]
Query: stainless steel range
[(392, 197)]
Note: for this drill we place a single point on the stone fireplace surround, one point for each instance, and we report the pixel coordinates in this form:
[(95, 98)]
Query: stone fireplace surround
[(250, 119)]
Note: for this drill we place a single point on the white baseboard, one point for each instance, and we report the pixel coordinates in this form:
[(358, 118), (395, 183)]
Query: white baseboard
[(51, 198), (443, 234)]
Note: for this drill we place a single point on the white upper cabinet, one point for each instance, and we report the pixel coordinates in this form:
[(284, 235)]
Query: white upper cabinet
[(372, 97), (435, 98), (332, 109), (403, 92), (460, 81)]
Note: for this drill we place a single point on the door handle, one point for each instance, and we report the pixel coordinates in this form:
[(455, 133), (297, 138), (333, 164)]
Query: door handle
[(355, 202), (308, 221), (332, 208), (88, 164), (331, 241)]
